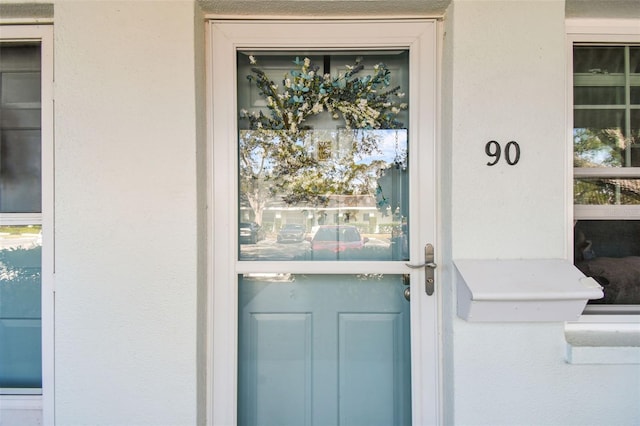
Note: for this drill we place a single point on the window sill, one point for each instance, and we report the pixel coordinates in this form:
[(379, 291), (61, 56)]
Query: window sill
[(603, 339), (20, 402), (530, 290)]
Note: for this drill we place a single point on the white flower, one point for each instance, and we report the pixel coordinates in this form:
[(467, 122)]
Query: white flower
[(401, 94), (395, 110), (252, 60), (274, 87), (403, 106), (307, 62), (311, 73), (243, 112)]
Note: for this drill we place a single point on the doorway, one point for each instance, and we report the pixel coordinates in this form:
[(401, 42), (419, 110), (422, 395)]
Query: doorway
[(323, 194)]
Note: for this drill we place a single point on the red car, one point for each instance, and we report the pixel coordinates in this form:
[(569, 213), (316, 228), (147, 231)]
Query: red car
[(336, 241)]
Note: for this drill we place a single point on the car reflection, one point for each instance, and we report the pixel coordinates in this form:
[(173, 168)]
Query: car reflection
[(250, 233), (372, 247), (291, 232), (335, 241)]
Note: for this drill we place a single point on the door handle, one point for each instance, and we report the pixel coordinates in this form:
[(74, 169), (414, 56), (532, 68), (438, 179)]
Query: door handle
[(429, 266)]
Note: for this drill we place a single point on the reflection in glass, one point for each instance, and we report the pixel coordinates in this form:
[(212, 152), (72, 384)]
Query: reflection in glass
[(607, 191), (600, 138), (353, 182), (609, 251), (20, 110), (338, 172), (20, 314)]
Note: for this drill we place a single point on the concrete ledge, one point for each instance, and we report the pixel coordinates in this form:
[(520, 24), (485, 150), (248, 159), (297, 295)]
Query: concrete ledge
[(603, 342)]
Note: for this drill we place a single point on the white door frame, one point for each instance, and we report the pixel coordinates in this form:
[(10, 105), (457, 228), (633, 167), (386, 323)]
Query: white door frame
[(224, 39)]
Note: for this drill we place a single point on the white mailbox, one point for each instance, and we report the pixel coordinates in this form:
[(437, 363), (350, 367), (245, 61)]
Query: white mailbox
[(522, 290)]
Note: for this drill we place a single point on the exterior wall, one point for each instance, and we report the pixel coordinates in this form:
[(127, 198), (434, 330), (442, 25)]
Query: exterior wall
[(130, 342), (126, 213), (508, 82)]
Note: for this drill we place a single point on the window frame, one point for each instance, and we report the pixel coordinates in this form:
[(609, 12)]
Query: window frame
[(598, 32), (43, 35)]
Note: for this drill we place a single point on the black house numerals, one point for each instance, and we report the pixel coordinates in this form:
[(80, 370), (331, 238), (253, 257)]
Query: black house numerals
[(511, 152)]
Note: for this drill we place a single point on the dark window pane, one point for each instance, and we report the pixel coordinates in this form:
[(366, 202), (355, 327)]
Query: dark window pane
[(587, 95), (598, 59), (635, 95), (20, 171), (634, 60), (609, 251), (20, 136)]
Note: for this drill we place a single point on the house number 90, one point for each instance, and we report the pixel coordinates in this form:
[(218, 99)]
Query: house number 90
[(511, 152)]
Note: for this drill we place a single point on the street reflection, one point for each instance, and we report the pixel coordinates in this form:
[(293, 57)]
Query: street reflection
[(290, 189)]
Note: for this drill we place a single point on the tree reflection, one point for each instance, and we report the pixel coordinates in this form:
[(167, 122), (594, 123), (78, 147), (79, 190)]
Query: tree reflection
[(314, 167)]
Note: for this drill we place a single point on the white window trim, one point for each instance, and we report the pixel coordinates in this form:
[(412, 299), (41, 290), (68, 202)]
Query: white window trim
[(594, 338), (44, 35)]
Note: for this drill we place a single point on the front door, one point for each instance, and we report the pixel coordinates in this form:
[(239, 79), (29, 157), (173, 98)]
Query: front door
[(323, 196)]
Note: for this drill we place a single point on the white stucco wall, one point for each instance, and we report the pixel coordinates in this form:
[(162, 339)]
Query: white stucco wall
[(126, 246), (507, 82), (130, 170)]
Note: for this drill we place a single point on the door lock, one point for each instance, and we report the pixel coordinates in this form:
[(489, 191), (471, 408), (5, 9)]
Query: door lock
[(429, 266)]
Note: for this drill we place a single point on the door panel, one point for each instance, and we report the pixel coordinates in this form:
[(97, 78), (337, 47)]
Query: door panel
[(323, 350)]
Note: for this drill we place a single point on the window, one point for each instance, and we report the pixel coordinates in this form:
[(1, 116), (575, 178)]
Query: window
[(606, 142), (21, 216)]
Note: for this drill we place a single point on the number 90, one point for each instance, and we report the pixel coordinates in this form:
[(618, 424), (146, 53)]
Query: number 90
[(511, 152)]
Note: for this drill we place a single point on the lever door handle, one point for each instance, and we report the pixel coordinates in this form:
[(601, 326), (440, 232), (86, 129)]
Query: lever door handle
[(422, 265), (429, 265)]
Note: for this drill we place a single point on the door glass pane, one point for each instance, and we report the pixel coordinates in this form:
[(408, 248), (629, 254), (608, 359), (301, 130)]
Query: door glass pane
[(323, 156), (323, 350)]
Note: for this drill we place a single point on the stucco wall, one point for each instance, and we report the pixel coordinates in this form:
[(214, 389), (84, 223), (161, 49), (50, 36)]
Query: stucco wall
[(129, 272), (508, 82), (126, 246)]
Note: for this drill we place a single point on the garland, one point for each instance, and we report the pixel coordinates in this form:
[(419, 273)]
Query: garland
[(362, 102)]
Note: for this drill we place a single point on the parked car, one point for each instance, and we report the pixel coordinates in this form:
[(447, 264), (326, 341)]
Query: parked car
[(291, 232), (250, 233), (336, 241)]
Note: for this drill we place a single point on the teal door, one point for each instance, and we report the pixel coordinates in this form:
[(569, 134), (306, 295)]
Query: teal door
[(322, 192), (323, 350), (323, 180)]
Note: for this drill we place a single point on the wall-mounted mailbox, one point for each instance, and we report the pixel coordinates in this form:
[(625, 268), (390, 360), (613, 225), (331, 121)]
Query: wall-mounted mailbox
[(522, 290)]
